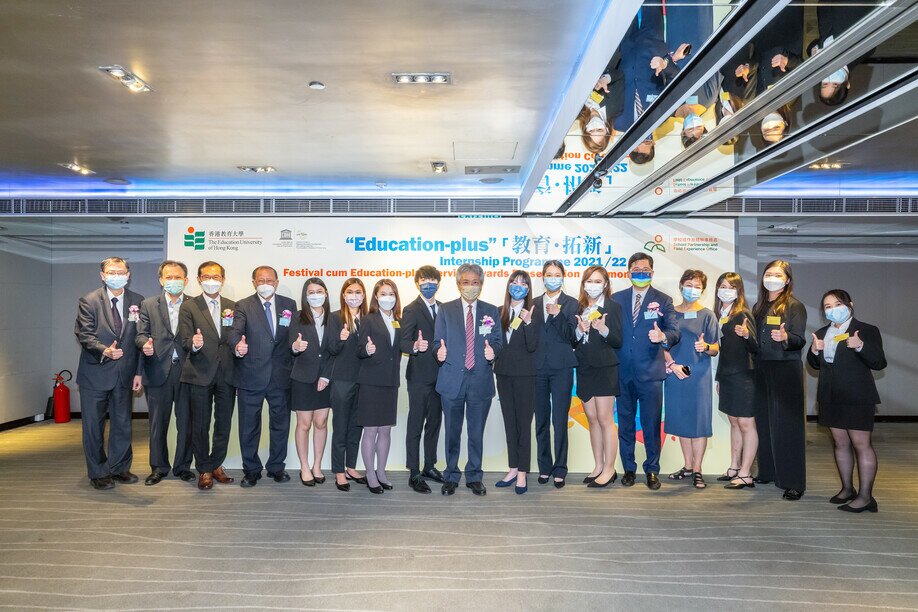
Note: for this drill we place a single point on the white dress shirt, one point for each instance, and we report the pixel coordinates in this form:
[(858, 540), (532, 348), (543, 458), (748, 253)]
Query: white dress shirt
[(831, 344)]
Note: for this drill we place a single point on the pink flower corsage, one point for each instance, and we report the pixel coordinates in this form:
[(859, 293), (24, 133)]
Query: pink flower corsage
[(227, 317), (487, 324), (133, 313), (285, 318), (653, 307)]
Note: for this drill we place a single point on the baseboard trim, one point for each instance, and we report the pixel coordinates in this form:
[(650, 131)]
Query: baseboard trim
[(17, 423), (74, 416), (880, 418)]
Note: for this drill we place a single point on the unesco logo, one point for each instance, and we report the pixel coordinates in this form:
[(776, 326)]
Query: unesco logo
[(194, 239)]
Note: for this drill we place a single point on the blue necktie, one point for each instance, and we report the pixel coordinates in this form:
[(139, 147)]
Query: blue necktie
[(270, 317)]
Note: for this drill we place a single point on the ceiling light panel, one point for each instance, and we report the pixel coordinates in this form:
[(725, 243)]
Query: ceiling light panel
[(77, 168), (126, 78), (421, 78), (257, 169)]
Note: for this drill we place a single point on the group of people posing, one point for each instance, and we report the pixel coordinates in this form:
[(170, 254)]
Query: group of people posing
[(198, 357)]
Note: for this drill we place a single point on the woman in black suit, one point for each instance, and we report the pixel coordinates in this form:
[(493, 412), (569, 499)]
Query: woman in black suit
[(343, 370), (309, 393), (515, 371), (780, 415), (845, 352), (379, 349), (735, 377), (598, 334)]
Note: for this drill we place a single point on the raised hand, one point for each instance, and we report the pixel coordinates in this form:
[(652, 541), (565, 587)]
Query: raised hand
[(371, 348), (818, 345), (113, 352), (678, 371), (441, 352), (780, 334), (300, 345), (600, 324), (420, 345), (345, 333), (656, 334), (779, 61), (488, 352), (657, 64), (583, 324), (681, 52), (526, 316), (742, 330), (197, 340), (700, 345), (855, 342), (242, 348), (148, 348), (742, 71), (552, 309), (603, 83)]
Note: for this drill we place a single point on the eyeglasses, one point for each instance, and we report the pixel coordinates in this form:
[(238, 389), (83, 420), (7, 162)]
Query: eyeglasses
[(207, 277)]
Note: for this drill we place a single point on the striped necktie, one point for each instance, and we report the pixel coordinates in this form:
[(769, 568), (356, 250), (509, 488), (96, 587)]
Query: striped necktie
[(637, 308), (469, 340)]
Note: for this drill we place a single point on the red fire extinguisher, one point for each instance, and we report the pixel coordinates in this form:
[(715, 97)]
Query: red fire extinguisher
[(62, 397)]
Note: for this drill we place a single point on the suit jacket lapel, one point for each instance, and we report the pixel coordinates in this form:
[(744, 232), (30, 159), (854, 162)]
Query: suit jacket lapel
[(164, 313), (260, 305), (201, 303), (107, 310), (425, 308)]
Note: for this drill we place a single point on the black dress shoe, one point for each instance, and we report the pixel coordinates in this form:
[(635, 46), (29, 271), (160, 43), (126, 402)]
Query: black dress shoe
[(361, 480), (595, 484), (281, 476), (319, 479), (792, 494), (871, 507), (377, 490), (102, 484), (543, 479), (187, 475), (838, 499), (434, 474), (448, 488), (308, 483), (758, 480), (249, 480), (653, 481), (589, 479), (559, 484), (628, 479), (387, 486), (418, 484), (125, 477), (154, 479), (477, 488), (343, 487)]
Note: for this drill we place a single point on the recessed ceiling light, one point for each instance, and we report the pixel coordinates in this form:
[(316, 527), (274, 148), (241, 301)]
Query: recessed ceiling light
[(117, 181), (422, 78), (438, 167), (126, 78), (316, 85), (438, 78), (491, 180), (77, 168), (257, 169), (406, 78), (381, 184)]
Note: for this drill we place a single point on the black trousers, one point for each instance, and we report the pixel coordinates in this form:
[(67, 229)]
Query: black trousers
[(95, 405), (425, 414), (517, 404), (345, 431), (552, 404), (250, 404), (161, 399), (780, 418), (210, 404)]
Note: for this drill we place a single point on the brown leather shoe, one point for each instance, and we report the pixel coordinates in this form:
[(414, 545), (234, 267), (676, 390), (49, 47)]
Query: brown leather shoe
[(221, 477), (205, 481)]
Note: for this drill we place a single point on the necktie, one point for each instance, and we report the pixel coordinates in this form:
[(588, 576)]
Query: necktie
[(512, 318), (433, 311), (637, 308), (116, 317), (270, 317), (469, 340), (215, 314), (638, 105)]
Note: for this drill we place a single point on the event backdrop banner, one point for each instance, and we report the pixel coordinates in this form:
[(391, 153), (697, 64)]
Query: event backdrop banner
[(335, 249)]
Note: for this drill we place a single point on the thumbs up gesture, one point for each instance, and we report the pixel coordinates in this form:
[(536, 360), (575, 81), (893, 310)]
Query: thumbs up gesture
[(345, 333), (525, 315), (818, 345), (148, 348), (371, 348), (700, 345), (113, 352), (420, 345), (197, 340), (656, 335), (242, 348), (742, 330), (299, 345), (855, 342), (583, 323), (600, 324), (488, 352), (780, 334), (441, 352), (552, 308)]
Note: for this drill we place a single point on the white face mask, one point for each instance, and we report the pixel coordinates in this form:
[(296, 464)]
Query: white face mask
[(316, 300), (774, 284), (354, 301), (692, 121), (727, 295), (211, 286), (772, 121), (596, 123), (592, 289), (838, 77), (386, 302), (265, 291)]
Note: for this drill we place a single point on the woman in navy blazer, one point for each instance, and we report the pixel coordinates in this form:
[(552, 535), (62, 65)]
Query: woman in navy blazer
[(380, 352), (598, 334), (515, 372), (310, 397), (844, 353)]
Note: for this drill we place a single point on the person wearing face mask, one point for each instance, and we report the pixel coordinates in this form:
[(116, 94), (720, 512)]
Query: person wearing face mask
[(343, 370), (554, 363), (424, 411), (109, 372), (736, 378), (687, 388), (380, 353), (310, 397), (649, 325), (207, 375), (780, 415), (163, 354), (606, 101), (597, 336), (467, 338), (844, 353), (261, 344), (833, 17), (515, 372)]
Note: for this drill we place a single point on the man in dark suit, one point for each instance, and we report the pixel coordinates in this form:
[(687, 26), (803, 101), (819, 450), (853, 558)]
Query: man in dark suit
[(207, 375), (424, 410), (109, 371), (260, 341), (163, 353), (467, 338), (648, 327)]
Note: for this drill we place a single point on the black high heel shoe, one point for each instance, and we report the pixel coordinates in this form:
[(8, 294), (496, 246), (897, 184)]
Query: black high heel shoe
[(319, 479), (376, 490), (589, 479), (601, 485), (838, 499), (343, 487), (871, 507), (308, 483), (359, 480)]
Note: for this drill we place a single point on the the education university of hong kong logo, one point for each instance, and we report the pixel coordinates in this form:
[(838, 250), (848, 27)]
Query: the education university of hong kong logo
[(195, 239)]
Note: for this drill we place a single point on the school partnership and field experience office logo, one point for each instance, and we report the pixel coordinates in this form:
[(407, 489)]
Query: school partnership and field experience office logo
[(655, 245)]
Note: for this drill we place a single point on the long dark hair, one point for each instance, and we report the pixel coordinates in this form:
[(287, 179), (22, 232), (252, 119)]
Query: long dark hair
[(588, 143), (841, 295), (739, 304), (584, 299), (346, 319), (306, 316), (780, 304), (374, 303), (527, 301)]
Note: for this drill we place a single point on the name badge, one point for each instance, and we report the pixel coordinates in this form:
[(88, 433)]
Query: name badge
[(284, 322), (651, 97), (651, 314), (226, 322), (725, 96), (841, 337), (772, 320), (594, 315), (395, 325), (724, 320), (484, 330), (597, 97), (515, 323), (690, 315), (691, 100)]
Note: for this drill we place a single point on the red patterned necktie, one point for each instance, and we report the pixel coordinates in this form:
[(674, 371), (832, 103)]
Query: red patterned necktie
[(469, 340)]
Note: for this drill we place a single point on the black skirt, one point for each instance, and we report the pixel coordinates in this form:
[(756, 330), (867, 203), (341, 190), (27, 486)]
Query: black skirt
[(597, 382), (847, 416), (306, 397), (376, 406), (737, 394)]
